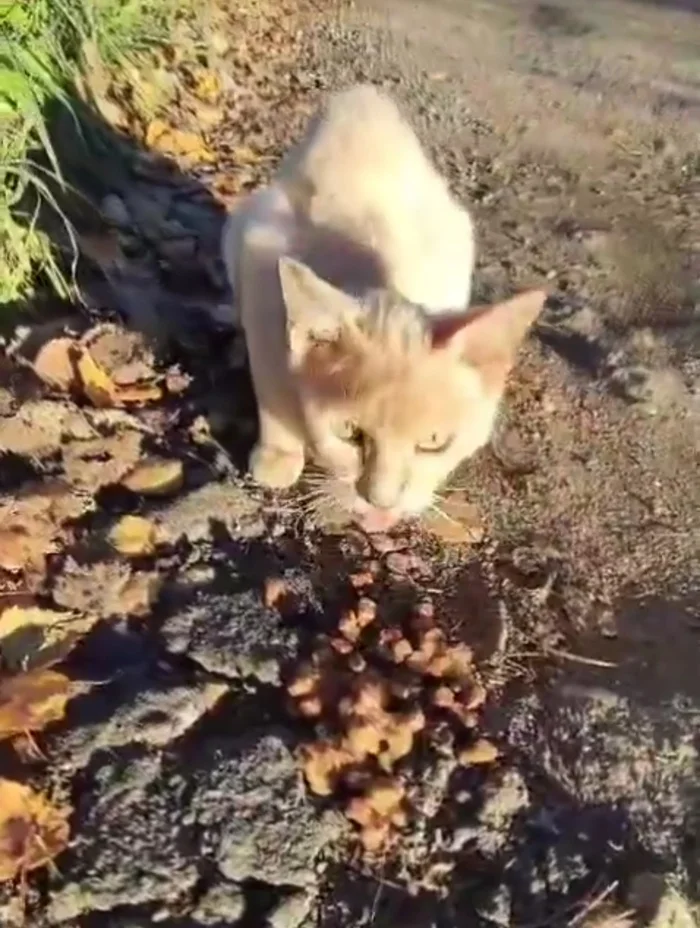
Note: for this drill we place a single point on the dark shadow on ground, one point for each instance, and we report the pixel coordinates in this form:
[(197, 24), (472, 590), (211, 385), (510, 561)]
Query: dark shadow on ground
[(148, 254)]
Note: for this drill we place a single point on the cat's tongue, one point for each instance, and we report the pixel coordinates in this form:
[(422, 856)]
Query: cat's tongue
[(377, 520)]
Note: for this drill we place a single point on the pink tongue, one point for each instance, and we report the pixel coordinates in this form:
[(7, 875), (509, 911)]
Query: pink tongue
[(377, 520)]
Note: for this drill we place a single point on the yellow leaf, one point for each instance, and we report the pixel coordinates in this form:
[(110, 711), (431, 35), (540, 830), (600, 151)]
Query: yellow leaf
[(101, 390), (97, 385), (208, 87), (154, 131), (31, 637), (177, 142), (17, 617), (244, 154), (133, 536), (31, 701), (481, 752), (32, 831), (155, 477)]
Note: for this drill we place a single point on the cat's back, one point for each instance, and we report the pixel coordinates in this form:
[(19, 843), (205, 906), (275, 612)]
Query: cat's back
[(360, 201), (360, 150)]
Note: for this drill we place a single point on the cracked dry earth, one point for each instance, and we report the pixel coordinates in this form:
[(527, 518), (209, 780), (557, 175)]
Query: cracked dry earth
[(237, 715)]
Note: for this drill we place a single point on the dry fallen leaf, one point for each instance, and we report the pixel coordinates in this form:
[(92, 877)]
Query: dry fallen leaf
[(31, 701), (31, 637), (155, 477), (103, 392), (458, 521), (481, 752), (134, 536), (40, 428), (54, 363), (208, 86), (33, 525), (97, 386), (177, 142), (91, 465), (106, 588), (32, 831)]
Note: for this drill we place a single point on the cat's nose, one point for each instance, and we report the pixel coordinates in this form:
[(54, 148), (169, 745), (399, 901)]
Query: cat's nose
[(378, 493)]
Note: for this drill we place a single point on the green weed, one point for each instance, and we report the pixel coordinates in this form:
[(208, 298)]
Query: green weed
[(45, 46)]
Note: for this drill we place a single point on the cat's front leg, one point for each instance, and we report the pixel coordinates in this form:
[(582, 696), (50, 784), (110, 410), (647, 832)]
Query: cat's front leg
[(277, 460)]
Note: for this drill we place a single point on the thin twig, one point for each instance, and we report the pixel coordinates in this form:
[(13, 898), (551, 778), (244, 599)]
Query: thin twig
[(594, 903), (567, 656)]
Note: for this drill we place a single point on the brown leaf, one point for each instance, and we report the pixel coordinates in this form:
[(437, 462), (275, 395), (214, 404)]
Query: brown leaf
[(32, 831), (40, 427), (54, 363), (155, 477), (106, 588), (32, 637), (481, 752), (32, 700), (133, 536), (125, 356), (91, 465), (139, 593), (33, 526)]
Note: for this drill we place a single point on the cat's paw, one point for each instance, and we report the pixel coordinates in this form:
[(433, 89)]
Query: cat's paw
[(275, 468)]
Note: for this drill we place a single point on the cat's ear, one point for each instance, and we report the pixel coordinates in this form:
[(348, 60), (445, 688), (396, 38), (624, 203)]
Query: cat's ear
[(316, 310), (488, 337)]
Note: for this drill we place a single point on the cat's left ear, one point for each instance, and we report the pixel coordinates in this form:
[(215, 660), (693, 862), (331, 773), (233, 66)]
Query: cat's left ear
[(316, 310), (488, 337)]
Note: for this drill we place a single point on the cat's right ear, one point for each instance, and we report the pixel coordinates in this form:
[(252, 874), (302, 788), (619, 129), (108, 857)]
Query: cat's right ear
[(316, 310)]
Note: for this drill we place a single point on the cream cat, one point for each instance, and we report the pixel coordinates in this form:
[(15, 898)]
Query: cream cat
[(352, 275)]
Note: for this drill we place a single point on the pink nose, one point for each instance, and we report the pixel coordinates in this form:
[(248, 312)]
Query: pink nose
[(377, 520)]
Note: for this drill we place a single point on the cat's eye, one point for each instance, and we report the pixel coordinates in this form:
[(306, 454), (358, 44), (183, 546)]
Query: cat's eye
[(349, 431), (434, 444)]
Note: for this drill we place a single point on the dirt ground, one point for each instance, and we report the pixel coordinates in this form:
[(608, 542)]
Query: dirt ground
[(243, 649)]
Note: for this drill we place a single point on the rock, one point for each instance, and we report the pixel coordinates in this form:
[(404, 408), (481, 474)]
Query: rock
[(233, 634), (131, 846), (155, 717), (292, 910), (610, 753), (506, 795), (195, 515), (654, 389), (222, 903), (115, 211), (178, 250), (256, 821), (149, 205), (496, 910)]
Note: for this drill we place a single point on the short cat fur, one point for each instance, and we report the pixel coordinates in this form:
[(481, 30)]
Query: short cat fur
[(352, 276)]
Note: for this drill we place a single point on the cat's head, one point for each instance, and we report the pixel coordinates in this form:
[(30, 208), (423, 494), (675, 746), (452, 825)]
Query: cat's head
[(393, 398)]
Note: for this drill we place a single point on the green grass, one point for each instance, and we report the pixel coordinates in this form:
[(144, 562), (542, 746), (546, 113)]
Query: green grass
[(44, 47)]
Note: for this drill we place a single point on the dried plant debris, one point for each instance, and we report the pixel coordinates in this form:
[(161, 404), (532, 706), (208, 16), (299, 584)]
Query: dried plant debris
[(372, 690), (155, 477), (32, 830), (31, 701), (106, 588), (108, 365), (32, 636), (36, 524)]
